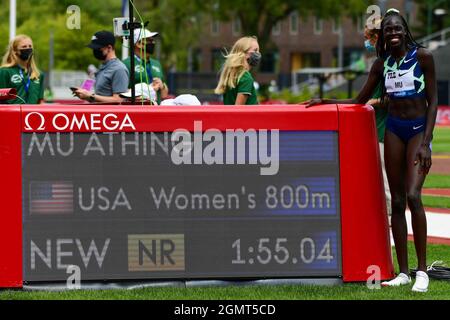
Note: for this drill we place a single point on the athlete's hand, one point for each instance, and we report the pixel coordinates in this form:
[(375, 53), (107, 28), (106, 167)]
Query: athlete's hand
[(157, 84), (312, 102), (374, 103), (423, 157)]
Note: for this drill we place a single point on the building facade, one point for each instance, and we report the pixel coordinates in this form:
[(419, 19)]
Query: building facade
[(298, 43)]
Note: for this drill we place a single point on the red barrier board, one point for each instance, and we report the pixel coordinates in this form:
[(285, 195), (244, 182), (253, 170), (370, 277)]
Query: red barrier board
[(362, 193), (443, 116), (69, 118), (11, 195), (364, 225)]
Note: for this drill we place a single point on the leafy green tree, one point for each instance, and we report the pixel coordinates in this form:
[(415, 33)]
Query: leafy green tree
[(423, 15), (259, 17), (70, 51), (179, 24), (41, 18)]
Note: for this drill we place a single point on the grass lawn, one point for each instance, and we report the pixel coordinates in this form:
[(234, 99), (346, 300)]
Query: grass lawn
[(441, 146), (436, 202), (439, 289), (437, 181), (441, 140), (354, 291)]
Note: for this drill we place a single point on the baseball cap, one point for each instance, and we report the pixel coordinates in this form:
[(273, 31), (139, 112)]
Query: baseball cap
[(140, 34), (143, 90), (102, 39)]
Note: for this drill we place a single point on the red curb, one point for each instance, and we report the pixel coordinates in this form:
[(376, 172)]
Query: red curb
[(437, 210), (436, 192), (433, 240)]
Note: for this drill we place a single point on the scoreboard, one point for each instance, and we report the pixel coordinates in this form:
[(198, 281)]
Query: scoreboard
[(193, 193)]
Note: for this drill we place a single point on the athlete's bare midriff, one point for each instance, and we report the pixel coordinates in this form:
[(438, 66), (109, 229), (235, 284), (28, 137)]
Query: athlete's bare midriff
[(408, 109)]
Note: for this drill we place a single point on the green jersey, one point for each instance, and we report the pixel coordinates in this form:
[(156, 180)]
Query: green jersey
[(380, 115), (31, 91), (153, 70), (245, 86)]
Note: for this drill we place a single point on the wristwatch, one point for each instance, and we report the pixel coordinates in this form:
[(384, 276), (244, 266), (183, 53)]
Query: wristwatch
[(92, 98)]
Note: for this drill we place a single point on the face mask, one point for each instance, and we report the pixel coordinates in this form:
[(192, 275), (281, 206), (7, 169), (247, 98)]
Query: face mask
[(25, 54), (98, 54), (369, 46), (150, 47), (254, 59)]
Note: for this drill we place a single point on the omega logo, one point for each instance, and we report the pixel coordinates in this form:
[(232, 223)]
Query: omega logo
[(35, 121), (41, 127)]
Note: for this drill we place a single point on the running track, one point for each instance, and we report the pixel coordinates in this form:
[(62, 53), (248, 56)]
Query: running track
[(438, 221)]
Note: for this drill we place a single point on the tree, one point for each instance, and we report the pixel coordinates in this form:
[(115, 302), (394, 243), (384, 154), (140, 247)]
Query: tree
[(423, 15), (259, 17), (179, 23), (40, 18)]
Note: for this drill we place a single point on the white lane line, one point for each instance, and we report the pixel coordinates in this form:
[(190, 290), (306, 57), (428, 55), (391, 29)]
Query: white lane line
[(438, 225)]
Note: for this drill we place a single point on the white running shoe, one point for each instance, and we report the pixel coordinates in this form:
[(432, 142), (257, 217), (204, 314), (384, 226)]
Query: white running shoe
[(400, 280), (422, 281)]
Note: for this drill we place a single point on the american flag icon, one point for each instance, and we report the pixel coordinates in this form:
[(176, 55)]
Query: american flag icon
[(51, 197)]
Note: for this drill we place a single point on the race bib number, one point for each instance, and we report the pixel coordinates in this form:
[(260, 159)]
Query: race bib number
[(400, 81)]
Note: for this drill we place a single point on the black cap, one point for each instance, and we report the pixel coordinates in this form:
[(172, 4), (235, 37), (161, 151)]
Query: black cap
[(102, 39)]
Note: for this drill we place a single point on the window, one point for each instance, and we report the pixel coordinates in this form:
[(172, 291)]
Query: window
[(311, 60), (300, 60), (237, 26), (351, 56), (215, 27), (276, 30), (337, 25), (270, 62), (196, 60), (361, 24), (217, 60), (293, 23), (318, 25)]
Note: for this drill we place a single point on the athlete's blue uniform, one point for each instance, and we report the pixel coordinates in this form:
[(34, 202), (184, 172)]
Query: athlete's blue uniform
[(404, 80)]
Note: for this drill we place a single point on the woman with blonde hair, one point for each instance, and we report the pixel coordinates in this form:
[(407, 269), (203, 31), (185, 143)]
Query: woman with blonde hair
[(236, 84), (19, 71), (381, 111)]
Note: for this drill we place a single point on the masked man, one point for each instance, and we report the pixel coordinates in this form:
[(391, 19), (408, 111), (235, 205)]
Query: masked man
[(147, 70), (112, 78)]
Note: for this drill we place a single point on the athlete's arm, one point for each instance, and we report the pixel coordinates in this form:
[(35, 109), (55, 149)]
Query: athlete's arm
[(375, 76), (4, 79), (427, 64), (241, 99)]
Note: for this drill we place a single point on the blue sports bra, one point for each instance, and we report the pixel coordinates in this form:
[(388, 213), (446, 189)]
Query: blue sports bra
[(405, 79)]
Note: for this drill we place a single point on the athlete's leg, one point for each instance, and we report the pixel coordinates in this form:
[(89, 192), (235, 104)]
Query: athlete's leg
[(385, 182), (395, 160), (414, 182)]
